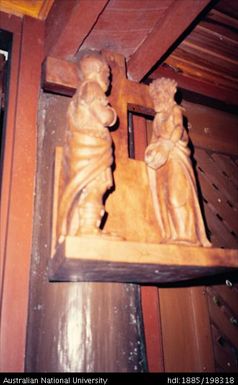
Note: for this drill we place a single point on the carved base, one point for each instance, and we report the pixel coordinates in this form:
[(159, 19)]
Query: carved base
[(107, 257)]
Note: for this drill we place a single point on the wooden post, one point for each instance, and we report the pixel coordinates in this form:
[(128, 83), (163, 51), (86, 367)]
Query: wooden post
[(19, 169)]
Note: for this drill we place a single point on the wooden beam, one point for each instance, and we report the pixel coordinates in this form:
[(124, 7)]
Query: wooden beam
[(59, 76), (184, 317), (226, 96), (77, 259), (68, 24), (152, 328), (201, 72), (165, 33)]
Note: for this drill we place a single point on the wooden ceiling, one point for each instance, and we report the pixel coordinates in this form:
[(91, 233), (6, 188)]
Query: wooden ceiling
[(193, 41), (208, 56)]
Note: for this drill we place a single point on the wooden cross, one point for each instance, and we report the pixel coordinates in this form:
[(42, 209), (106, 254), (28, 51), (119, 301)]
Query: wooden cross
[(60, 76)]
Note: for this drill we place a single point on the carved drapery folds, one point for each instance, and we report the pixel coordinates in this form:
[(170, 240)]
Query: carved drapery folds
[(87, 156), (87, 160), (171, 177)]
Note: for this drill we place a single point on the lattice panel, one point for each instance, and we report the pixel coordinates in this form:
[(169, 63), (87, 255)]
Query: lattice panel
[(223, 311), (218, 178)]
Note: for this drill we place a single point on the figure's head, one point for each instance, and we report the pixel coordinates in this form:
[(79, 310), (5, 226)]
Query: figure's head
[(162, 92), (94, 67)]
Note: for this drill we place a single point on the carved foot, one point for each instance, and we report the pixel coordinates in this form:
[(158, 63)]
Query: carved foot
[(100, 234)]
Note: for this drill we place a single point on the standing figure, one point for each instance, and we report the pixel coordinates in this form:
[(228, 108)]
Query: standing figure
[(88, 151), (170, 172)]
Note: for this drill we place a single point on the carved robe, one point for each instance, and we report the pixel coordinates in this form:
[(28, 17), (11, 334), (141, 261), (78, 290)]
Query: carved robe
[(171, 175), (88, 160)]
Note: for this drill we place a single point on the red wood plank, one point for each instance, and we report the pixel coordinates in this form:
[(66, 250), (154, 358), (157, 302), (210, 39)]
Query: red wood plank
[(199, 86), (21, 200), (229, 7), (12, 25), (165, 33), (118, 41), (220, 45), (217, 29), (139, 19), (140, 139), (68, 24), (143, 5), (207, 58), (59, 76), (185, 330), (224, 18), (152, 327)]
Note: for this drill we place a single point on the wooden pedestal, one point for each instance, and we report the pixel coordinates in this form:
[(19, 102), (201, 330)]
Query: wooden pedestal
[(101, 258), (90, 258)]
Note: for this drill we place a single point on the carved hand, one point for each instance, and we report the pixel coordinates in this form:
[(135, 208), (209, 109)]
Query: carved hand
[(156, 154)]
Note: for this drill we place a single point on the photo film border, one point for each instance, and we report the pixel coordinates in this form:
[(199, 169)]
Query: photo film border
[(119, 378)]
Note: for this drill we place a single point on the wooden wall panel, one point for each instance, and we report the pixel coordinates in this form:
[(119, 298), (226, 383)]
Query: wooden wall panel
[(20, 177), (12, 25), (177, 321), (211, 128), (185, 330)]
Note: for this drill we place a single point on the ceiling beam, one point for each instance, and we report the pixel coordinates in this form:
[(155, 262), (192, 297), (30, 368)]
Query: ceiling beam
[(178, 17), (201, 91), (68, 24), (60, 76)]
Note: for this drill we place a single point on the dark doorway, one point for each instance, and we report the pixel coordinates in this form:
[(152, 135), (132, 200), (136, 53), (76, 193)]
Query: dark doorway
[(5, 54)]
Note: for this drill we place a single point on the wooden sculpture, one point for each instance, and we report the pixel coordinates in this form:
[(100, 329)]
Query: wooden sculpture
[(88, 151), (170, 171)]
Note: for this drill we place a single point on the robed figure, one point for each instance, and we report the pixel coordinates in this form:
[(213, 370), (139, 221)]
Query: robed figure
[(88, 151), (170, 171)]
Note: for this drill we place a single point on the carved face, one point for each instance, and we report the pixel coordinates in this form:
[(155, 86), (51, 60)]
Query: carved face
[(94, 67), (162, 92), (103, 77)]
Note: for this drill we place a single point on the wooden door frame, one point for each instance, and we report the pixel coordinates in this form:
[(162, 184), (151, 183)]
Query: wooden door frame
[(18, 183)]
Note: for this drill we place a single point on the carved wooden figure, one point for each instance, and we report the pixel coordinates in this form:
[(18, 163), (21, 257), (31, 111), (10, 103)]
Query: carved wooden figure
[(88, 151), (170, 172)]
